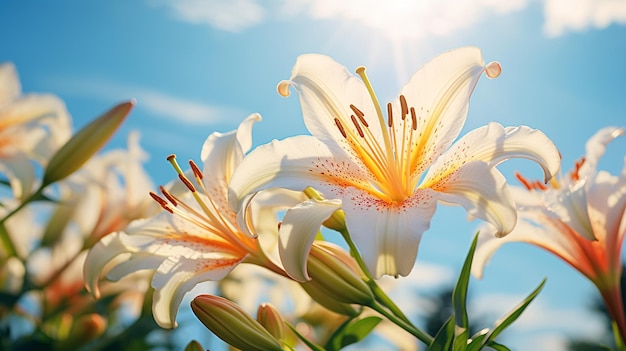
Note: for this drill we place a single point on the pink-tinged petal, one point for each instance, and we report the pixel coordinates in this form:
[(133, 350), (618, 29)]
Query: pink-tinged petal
[(326, 91), (99, 256), (439, 92), (299, 228), (482, 190), (10, 87), (493, 144), (388, 234), (606, 198), (221, 154), (570, 206), (293, 163), (595, 148), (546, 236), (177, 276)]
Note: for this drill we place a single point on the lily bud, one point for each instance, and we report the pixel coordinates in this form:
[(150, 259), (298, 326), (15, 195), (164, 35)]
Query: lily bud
[(85, 143), (319, 295), (269, 317), (194, 346), (336, 275), (337, 221), (86, 328), (232, 324)]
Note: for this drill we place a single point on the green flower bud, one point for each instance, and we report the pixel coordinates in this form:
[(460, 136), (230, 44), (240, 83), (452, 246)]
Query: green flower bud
[(85, 143), (232, 324), (194, 346), (269, 317), (335, 274)]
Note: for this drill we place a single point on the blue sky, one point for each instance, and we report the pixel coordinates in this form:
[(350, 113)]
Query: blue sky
[(196, 66)]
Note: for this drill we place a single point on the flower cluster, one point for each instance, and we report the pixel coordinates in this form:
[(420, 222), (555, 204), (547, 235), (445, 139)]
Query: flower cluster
[(108, 258)]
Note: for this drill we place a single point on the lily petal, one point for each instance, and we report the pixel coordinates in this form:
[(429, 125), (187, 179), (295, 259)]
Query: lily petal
[(388, 236), (10, 87), (105, 250), (439, 92), (596, 147), (177, 276), (293, 163), (222, 153), (298, 230), (326, 90)]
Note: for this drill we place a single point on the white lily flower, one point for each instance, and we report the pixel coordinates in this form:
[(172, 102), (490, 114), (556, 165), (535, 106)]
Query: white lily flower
[(197, 238), (581, 218), (32, 128), (390, 172)]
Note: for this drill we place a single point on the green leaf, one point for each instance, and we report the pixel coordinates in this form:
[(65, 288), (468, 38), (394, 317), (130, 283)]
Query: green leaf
[(498, 347), (444, 338), (509, 318), (459, 301), (352, 332), (477, 339)]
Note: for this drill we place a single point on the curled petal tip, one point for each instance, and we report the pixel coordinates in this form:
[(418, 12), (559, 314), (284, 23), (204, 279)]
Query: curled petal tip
[(493, 69), (283, 88)]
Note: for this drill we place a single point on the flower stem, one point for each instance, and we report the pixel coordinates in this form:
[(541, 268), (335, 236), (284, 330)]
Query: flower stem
[(613, 300), (398, 317), (5, 238), (422, 336)]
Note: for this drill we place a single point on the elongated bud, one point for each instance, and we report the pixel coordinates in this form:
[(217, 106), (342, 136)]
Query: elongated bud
[(269, 317), (337, 220), (85, 143), (335, 273), (232, 324), (319, 295), (194, 346)]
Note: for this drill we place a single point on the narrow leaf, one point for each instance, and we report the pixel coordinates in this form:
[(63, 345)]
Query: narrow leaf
[(444, 338), (459, 301), (509, 318), (352, 332)]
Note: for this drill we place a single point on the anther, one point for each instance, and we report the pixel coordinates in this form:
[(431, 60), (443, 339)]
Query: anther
[(187, 182), (357, 112), (196, 171), (340, 127), (523, 180), (389, 115), (168, 196), (413, 118), (283, 88), (403, 105), (358, 127), (161, 202)]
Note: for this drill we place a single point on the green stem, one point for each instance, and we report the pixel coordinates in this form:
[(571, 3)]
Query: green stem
[(422, 336), (5, 238), (379, 294)]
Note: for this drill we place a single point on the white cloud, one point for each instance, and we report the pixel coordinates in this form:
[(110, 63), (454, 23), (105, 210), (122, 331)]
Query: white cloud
[(156, 102), (230, 15), (579, 15)]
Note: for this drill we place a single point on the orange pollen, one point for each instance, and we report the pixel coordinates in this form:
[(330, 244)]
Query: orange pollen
[(358, 127), (168, 196), (530, 185), (338, 123), (539, 185), (389, 115), (196, 170), (187, 183)]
